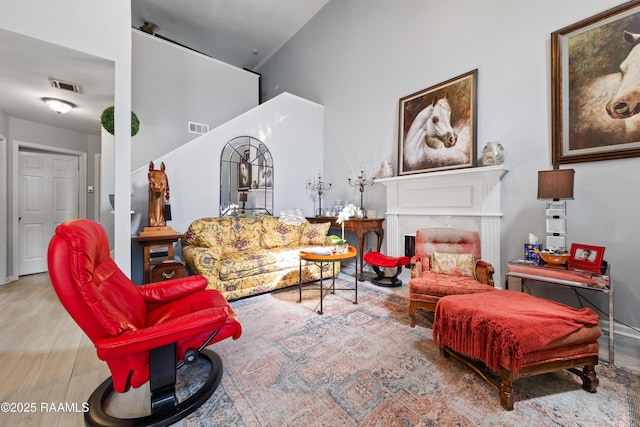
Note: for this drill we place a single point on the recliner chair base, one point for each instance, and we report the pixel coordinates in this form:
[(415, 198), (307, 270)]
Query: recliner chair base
[(162, 414)]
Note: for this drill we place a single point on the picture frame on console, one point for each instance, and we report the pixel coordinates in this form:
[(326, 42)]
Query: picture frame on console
[(586, 258), (438, 126), (244, 173), (592, 116)]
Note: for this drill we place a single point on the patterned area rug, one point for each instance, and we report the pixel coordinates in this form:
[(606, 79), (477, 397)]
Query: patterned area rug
[(363, 365)]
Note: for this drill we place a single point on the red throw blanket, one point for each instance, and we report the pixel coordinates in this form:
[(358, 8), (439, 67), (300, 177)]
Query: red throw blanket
[(491, 324)]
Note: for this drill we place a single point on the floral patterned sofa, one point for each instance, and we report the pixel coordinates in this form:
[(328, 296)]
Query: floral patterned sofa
[(244, 256)]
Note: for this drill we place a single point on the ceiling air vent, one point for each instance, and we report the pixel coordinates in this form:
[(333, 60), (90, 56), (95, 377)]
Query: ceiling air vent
[(198, 128), (65, 86)]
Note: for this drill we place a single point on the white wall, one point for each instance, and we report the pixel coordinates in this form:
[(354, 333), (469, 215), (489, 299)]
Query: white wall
[(289, 126), (100, 28), (358, 57), (172, 85)]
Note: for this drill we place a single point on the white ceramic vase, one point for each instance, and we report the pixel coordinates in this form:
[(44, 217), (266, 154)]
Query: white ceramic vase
[(492, 154)]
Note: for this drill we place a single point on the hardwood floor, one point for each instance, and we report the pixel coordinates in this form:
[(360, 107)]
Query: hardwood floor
[(49, 367)]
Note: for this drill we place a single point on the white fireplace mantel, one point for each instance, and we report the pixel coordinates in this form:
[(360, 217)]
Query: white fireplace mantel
[(461, 198)]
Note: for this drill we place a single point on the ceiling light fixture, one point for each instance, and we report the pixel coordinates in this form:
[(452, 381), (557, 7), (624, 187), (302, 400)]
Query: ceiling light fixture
[(58, 105)]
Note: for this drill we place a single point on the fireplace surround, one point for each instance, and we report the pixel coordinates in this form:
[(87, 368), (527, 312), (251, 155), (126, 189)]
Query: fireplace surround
[(461, 198)]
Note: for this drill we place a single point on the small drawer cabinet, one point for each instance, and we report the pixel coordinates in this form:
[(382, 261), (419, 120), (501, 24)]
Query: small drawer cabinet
[(158, 260), (166, 270)]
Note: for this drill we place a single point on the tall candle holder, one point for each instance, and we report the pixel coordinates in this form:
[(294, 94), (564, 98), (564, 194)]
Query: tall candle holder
[(319, 186), (360, 182)]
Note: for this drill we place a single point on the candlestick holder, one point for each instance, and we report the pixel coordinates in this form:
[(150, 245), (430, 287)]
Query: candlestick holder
[(243, 199), (360, 182), (319, 186)]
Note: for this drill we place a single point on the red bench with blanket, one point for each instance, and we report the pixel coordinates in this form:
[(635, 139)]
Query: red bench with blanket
[(517, 335)]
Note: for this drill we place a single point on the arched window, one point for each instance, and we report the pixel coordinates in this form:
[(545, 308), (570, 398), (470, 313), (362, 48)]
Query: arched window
[(246, 178)]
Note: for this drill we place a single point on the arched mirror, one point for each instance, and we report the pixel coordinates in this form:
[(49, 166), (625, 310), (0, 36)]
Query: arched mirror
[(246, 178)]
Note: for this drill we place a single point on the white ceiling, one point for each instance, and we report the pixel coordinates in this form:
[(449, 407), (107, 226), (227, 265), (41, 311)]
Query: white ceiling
[(244, 33)]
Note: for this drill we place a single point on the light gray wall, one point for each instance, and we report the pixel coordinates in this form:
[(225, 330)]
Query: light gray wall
[(37, 133), (4, 123), (108, 36), (358, 57), (172, 85)]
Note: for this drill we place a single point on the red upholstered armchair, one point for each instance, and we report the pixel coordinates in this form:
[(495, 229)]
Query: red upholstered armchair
[(446, 262), (143, 333)]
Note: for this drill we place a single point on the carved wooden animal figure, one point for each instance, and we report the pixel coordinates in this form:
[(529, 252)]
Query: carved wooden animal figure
[(432, 128), (157, 188)]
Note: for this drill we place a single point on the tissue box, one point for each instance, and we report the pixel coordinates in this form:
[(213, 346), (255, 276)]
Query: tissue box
[(531, 252)]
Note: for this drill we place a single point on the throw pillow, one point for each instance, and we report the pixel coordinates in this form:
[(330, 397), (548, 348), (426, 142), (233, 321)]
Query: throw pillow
[(277, 234), (314, 234), (455, 264)]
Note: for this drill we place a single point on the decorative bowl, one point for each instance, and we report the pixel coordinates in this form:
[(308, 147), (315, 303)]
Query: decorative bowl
[(554, 259)]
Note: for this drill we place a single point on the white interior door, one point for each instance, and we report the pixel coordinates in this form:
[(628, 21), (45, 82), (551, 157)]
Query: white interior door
[(48, 196)]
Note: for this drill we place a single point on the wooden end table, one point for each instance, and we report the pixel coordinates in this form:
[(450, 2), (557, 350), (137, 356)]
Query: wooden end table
[(360, 227), (321, 260), (164, 242)]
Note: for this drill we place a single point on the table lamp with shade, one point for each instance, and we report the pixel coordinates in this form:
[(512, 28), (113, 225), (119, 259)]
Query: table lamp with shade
[(556, 186)]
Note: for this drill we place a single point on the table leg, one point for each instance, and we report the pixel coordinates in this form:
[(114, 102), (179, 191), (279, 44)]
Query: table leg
[(300, 279), (320, 312), (356, 301), (611, 334), (333, 277)]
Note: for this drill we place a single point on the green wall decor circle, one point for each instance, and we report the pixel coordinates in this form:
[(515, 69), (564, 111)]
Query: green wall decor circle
[(108, 119)]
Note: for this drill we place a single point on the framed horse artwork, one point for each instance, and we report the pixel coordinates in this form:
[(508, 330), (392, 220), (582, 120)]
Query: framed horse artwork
[(595, 73), (437, 127)]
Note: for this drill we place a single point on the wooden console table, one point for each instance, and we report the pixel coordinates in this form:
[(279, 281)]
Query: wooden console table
[(159, 242), (360, 227), (525, 270)]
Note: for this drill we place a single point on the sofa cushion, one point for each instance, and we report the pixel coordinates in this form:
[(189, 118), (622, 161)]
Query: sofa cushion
[(276, 233), (455, 264), (244, 235), (438, 284), (314, 234), (258, 261)]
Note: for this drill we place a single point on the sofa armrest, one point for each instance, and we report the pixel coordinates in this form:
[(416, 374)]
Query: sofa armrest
[(204, 262), (484, 272)]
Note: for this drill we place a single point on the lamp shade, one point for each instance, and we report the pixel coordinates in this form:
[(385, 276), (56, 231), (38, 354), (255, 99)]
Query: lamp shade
[(556, 184), (243, 197)]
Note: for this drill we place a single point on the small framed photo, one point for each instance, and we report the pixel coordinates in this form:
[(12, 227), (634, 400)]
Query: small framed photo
[(586, 258), (244, 173)]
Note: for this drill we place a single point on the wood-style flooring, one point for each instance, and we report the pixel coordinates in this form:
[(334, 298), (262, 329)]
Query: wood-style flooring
[(48, 367)]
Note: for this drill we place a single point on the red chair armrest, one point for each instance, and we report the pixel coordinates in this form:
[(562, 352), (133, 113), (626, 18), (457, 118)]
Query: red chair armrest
[(184, 327), (170, 290)]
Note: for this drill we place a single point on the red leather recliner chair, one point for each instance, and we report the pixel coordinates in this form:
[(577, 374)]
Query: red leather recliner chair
[(144, 333)]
